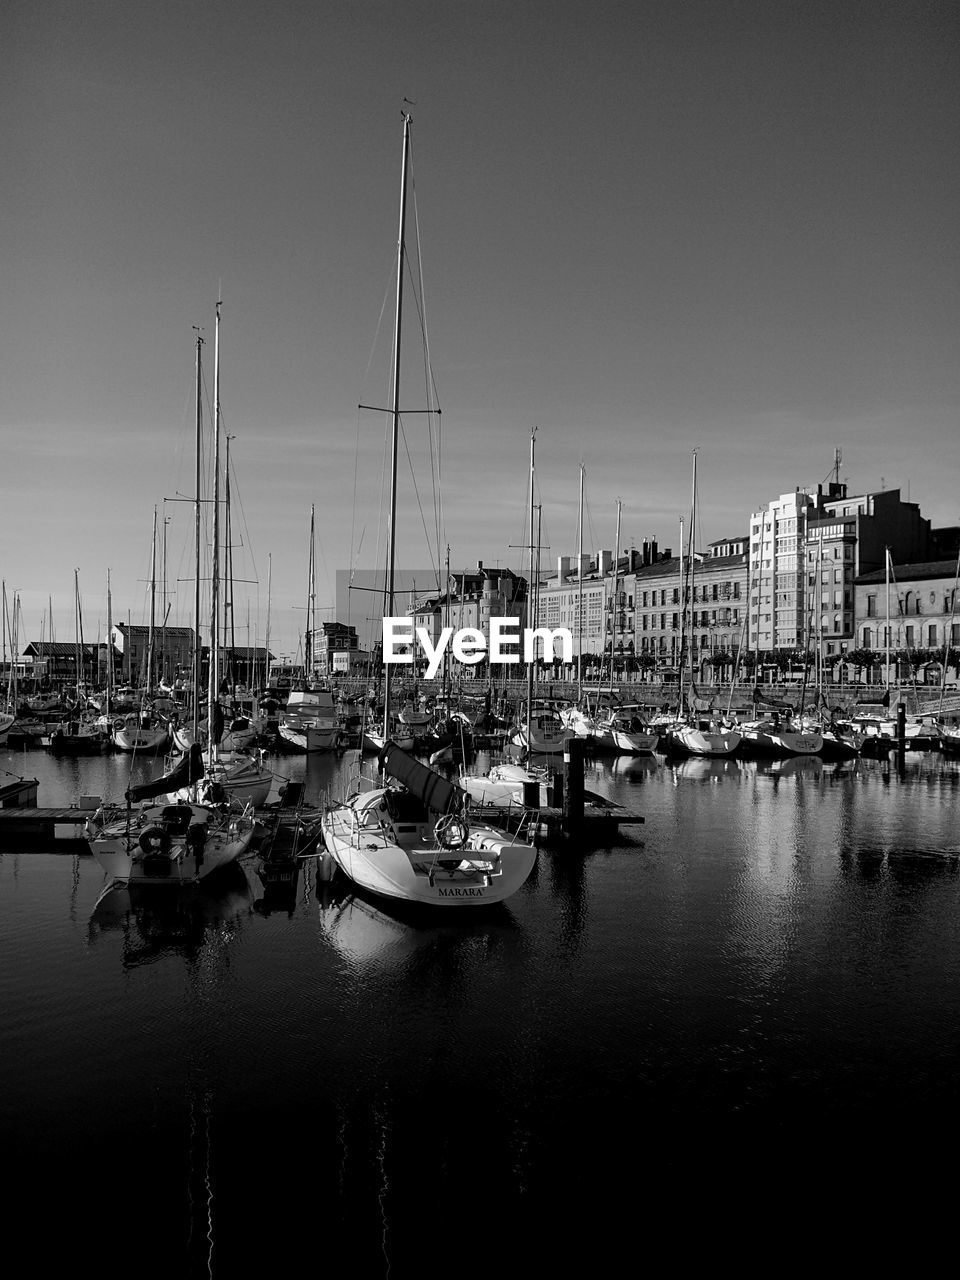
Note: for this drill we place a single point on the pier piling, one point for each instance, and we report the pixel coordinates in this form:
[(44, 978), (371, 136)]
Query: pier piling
[(573, 755)]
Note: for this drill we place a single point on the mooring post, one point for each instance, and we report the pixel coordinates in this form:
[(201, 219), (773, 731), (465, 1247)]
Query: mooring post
[(901, 727), (556, 790), (573, 785)]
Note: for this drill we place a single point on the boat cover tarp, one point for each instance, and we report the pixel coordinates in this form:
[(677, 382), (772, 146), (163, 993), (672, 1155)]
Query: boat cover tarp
[(189, 770), (435, 791), (695, 700), (875, 702), (777, 704)]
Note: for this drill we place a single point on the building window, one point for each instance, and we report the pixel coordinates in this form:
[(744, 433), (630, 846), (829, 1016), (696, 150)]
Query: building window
[(871, 606), (932, 636), (867, 637)]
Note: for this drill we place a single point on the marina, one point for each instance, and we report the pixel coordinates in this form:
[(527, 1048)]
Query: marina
[(754, 986), (479, 640)]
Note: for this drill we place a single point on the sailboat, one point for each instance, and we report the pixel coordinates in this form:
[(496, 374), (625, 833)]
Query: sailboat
[(9, 715), (141, 731), (539, 729), (186, 838), (621, 728), (310, 721), (233, 775), (698, 732), (411, 839), (83, 734)]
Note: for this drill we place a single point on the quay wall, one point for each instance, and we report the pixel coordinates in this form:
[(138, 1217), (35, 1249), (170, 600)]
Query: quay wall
[(919, 700)]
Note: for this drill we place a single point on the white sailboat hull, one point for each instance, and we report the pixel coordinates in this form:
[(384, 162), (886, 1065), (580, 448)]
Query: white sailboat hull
[(705, 742), (634, 743), (134, 738), (503, 787), (133, 853), (399, 865)]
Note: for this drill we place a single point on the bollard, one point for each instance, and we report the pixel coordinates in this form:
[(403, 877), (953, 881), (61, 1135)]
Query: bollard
[(531, 795)]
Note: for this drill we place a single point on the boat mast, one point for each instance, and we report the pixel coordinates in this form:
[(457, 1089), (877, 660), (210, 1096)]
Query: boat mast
[(311, 606), (533, 438), (15, 651), (109, 646), (948, 631), (886, 563), (818, 599), (266, 649), (756, 646), (197, 535), (691, 561), (228, 631), (395, 414), (76, 629), (213, 680), (446, 623), (580, 591), (616, 591), (683, 629), (153, 603)]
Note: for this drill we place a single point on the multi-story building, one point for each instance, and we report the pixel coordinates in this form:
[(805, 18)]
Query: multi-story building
[(707, 610), (777, 572), (911, 611), (576, 598), (338, 652), (473, 599), (846, 538), (806, 552)]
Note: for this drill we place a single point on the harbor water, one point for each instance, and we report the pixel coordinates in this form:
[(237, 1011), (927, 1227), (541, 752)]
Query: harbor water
[(736, 1026)]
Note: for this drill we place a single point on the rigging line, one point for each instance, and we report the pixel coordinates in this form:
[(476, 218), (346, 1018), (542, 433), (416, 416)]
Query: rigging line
[(406, 448), (431, 396), (431, 410), (366, 375), (354, 547)]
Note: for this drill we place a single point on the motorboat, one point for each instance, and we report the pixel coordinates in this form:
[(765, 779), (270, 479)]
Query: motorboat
[(310, 721)]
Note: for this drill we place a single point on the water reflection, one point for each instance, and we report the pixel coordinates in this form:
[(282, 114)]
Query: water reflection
[(634, 768), (158, 921), (365, 931), (780, 953), (705, 769)]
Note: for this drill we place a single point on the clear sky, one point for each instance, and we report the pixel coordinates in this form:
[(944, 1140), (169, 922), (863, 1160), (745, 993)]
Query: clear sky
[(645, 227)]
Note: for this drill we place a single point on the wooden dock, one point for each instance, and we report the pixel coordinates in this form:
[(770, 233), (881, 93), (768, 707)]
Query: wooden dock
[(545, 825), (593, 828), (32, 830)]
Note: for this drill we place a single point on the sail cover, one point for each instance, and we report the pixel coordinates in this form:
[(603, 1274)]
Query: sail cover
[(435, 791), (190, 769), (776, 703)]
